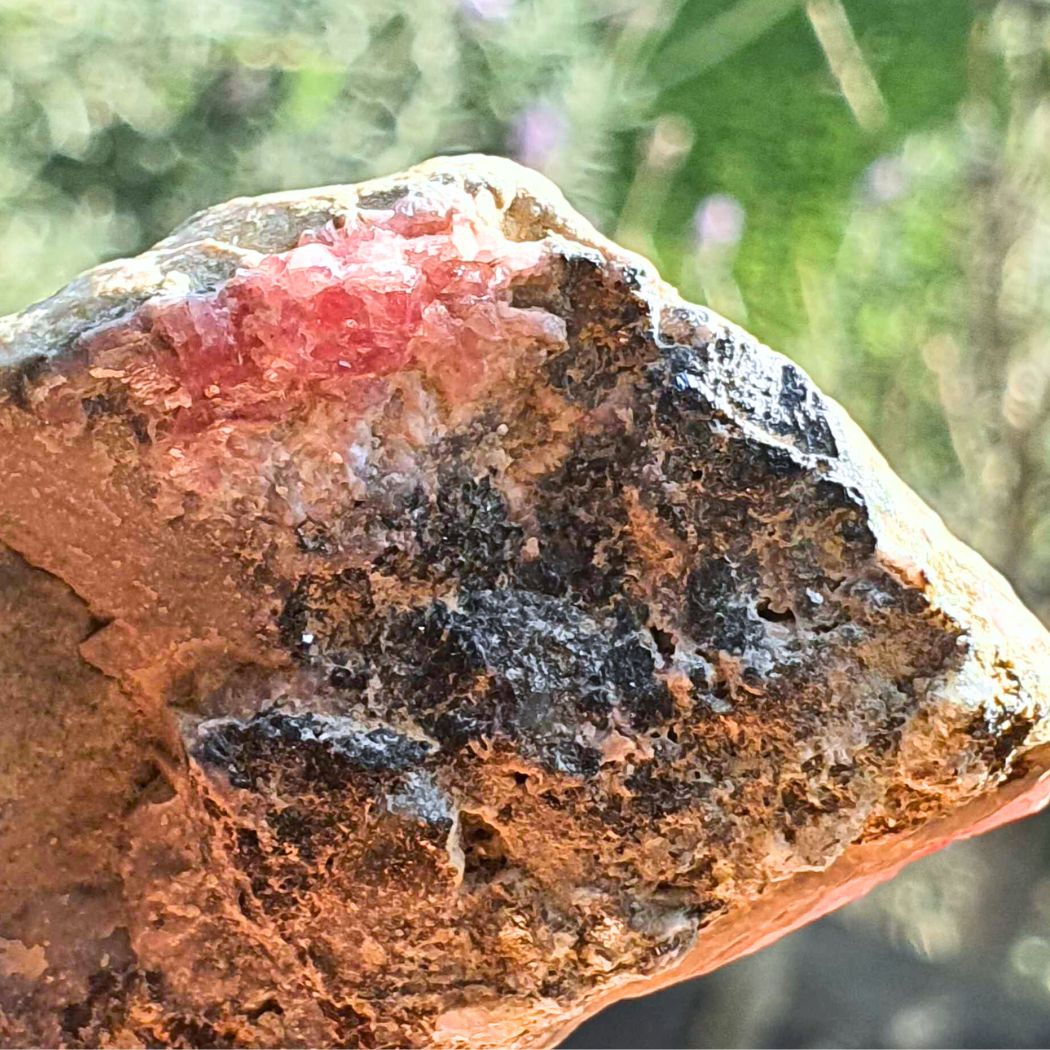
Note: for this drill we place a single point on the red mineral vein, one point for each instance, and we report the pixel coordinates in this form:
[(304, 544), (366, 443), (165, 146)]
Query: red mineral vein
[(386, 291)]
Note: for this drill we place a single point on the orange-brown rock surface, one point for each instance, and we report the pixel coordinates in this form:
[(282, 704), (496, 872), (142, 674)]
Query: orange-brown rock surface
[(419, 627)]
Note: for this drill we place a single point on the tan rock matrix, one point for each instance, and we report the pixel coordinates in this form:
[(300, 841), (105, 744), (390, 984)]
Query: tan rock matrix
[(420, 627)]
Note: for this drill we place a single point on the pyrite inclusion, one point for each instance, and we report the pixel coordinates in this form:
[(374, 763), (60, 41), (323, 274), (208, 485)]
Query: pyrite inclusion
[(420, 627)]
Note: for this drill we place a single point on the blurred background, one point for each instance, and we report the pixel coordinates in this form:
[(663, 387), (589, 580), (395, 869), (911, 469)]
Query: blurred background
[(865, 184)]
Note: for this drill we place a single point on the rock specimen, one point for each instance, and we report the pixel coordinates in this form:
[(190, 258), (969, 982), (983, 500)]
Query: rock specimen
[(418, 627)]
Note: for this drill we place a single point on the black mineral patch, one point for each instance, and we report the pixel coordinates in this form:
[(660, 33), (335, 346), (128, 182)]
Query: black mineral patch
[(718, 607), (467, 534), (520, 665), (328, 613), (580, 517), (320, 750), (803, 415), (606, 326)]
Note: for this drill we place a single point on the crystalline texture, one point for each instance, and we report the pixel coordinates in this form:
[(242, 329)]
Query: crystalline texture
[(410, 288), (420, 627)]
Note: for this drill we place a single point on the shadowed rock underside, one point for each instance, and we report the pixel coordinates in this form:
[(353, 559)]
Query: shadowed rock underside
[(419, 627)]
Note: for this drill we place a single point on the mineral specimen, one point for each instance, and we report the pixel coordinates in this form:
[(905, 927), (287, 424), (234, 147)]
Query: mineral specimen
[(420, 627)]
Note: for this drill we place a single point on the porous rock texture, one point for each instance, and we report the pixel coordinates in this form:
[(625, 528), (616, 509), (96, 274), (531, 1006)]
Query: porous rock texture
[(419, 627)]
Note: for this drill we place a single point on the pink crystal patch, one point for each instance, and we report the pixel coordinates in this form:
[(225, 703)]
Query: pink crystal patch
[(424, 285)]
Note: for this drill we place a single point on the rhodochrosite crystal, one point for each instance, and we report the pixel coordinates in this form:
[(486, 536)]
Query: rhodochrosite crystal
[(419, 627), (409, 288), (411, 301)]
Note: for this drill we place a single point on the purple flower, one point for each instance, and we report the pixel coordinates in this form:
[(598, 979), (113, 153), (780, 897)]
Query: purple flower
[(489, 10), (718, 221), (538, 134), (885, 180)]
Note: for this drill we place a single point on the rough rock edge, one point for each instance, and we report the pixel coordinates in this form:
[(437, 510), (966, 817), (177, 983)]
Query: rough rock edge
[(210, 246)]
